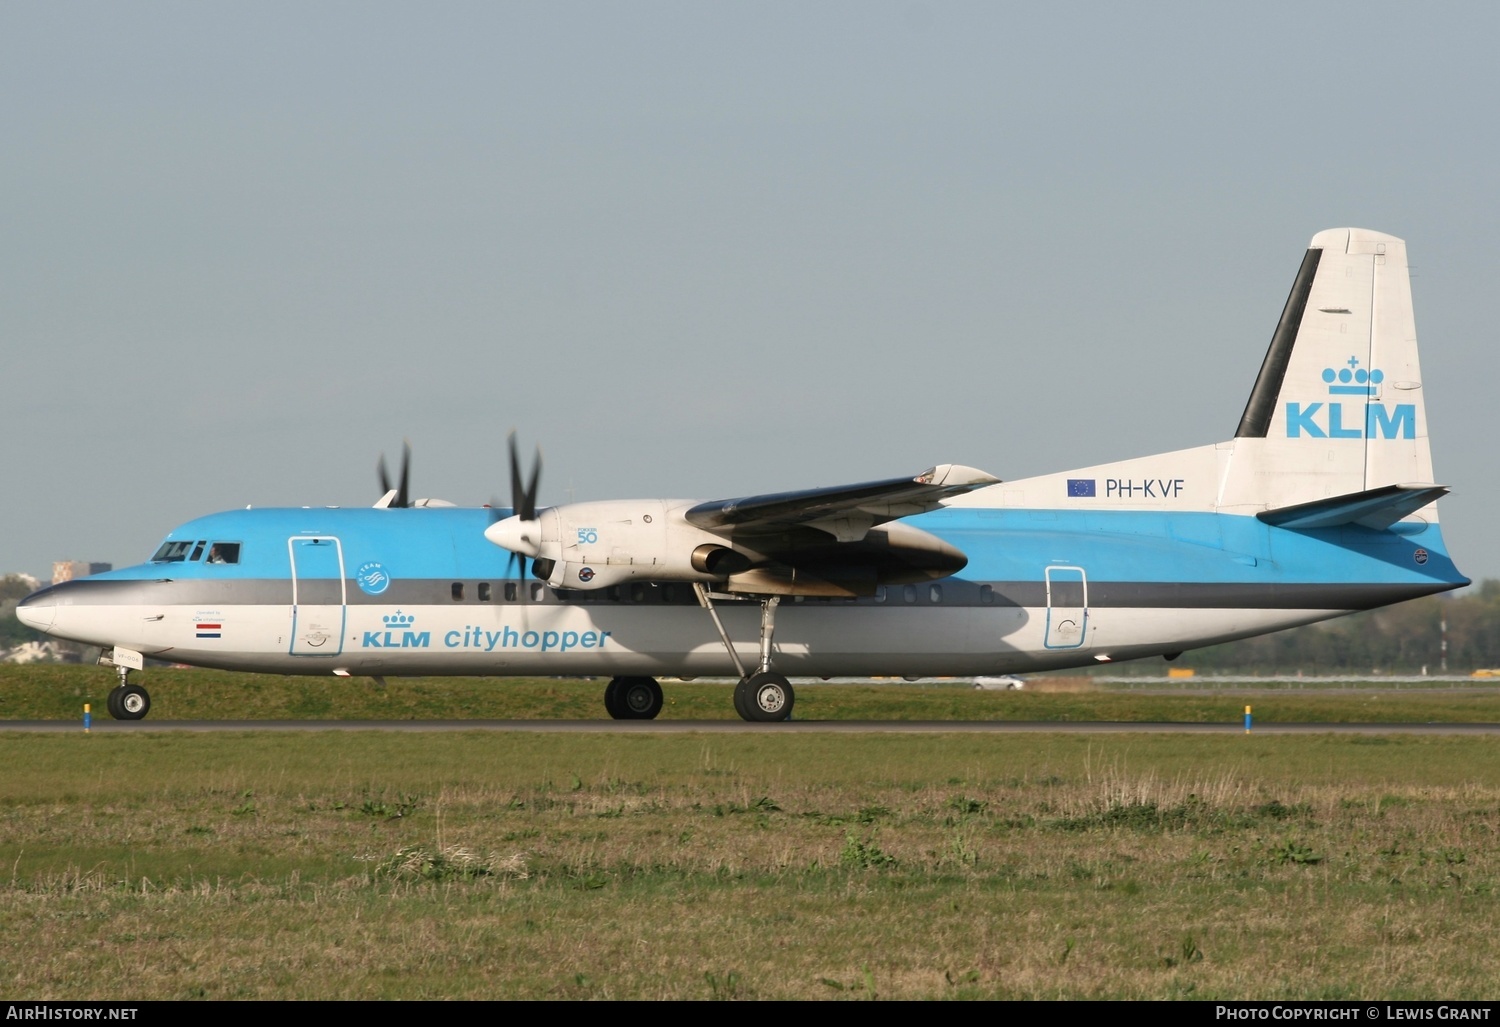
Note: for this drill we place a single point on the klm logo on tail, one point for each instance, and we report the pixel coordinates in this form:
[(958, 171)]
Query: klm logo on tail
[(1335, 420)]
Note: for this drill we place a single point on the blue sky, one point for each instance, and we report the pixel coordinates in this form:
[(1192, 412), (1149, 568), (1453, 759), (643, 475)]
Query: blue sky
[(698, 250)]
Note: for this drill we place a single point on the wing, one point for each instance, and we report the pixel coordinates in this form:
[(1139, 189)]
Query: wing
[(847, 512)]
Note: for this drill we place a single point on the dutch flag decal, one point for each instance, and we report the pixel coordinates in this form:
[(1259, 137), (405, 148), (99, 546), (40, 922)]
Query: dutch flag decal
[(209, 630)]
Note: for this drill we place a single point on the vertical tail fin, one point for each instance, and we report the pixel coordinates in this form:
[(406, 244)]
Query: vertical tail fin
[(1338, 406)]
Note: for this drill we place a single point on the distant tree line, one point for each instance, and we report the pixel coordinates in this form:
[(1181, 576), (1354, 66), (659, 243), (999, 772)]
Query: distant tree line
[(12, 631), (1397, 639)]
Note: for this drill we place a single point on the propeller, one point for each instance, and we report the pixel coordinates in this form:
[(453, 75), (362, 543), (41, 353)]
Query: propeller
[(523, 501), (521, 532), (403, 492)]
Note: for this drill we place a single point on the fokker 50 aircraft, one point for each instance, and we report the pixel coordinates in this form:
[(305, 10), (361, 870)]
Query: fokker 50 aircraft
[(1321, 504)]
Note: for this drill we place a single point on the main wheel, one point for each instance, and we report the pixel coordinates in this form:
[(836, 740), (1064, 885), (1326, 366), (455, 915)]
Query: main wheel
[(739, 698), (766, 697), (134, 702), (612, 698), (638, 698)]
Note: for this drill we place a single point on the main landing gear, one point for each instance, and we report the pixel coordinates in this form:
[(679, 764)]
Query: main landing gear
[(126, 701), (632, 698), (765, 695)]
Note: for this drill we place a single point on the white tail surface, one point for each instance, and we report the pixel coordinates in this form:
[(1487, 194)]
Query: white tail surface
[(1336, 410), (1338, 407)]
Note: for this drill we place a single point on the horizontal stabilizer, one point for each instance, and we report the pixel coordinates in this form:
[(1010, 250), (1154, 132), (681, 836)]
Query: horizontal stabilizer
[(1377, 509)]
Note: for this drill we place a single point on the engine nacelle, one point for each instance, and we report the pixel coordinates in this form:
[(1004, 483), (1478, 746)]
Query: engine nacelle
[(596, 545)]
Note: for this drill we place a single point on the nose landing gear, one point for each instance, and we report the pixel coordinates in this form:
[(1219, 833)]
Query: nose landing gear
[(126, 701)]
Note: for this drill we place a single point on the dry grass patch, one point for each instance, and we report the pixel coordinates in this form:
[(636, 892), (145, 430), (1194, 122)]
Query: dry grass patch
[(477, 866)]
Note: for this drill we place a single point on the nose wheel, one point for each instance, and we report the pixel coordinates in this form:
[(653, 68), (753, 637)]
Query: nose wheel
[(126, 701)]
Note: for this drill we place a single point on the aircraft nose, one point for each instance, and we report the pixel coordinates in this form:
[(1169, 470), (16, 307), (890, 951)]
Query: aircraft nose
[(38, 611)]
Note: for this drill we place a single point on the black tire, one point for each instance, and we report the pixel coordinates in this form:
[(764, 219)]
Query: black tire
[(134, 702), (768, 698), (612, 699), (739, 698), (112, 703), (639, 698)]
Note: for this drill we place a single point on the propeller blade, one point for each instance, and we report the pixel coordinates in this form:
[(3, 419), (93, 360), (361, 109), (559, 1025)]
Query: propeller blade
[(515, 478), (403, 492), (385, 479), (403, 497), (523, 496), (531, 487)]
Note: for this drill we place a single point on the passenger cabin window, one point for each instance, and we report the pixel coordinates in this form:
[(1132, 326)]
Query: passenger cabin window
[(484, 591), (224, 552), (935, 593), (536, 593), (458, 591), (510, 591), (909, 593), (986, 594)]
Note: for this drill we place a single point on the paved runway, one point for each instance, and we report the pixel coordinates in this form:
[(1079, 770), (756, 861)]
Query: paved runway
[(677, 727)]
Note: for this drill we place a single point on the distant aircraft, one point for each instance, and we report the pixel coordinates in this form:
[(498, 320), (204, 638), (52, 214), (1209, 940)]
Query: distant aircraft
[(1322, 503)]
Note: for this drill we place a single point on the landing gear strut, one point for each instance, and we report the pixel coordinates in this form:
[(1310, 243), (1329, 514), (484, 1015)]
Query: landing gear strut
[(633, 698), (764, 695), (126, 701)]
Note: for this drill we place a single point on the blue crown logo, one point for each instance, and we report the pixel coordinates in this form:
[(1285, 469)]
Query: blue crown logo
[(398, 619), (1353, 380)]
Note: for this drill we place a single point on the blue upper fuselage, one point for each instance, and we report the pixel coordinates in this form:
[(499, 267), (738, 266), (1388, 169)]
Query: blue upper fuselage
[(1002, 545), (423, 542)]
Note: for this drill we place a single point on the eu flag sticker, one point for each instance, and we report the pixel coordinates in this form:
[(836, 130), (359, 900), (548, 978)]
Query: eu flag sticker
[(1080, 486)]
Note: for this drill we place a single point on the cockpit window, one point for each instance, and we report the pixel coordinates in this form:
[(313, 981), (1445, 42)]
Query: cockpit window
[(172, 552), (197, 550), (224, 552)]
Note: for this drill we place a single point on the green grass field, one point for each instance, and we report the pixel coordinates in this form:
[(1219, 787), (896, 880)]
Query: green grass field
[(497, 865), (57, 692)]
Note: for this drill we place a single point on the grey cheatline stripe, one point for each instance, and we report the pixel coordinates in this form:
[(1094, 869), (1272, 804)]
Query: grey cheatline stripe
[(1101, 595), (1256, 420)]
